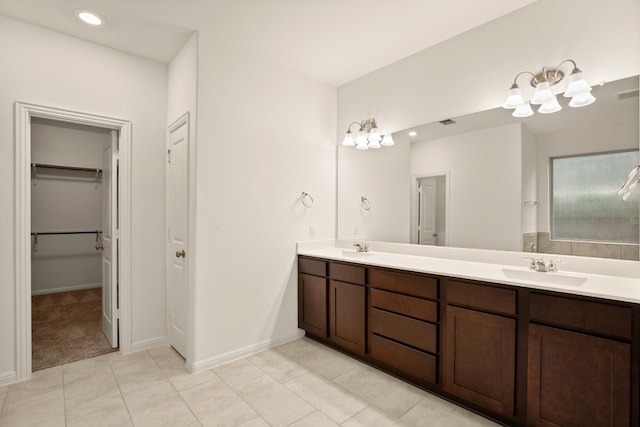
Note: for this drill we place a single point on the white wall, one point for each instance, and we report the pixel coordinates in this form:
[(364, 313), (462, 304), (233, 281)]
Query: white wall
[(66, 201), (485, 176), (47, 68), (473, 71), (265, 135), (590, 140), (383, 177), (529, 182), (182, 98)]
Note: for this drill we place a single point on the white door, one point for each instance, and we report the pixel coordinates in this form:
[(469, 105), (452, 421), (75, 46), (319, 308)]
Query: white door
[(110, 240), (427, 211), (177, 229)]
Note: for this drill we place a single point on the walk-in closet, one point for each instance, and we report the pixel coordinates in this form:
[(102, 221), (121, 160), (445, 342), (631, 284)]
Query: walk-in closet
[(69, 210)]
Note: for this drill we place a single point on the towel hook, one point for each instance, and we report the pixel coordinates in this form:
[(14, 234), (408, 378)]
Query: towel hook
[(306, 199), (365, 203)]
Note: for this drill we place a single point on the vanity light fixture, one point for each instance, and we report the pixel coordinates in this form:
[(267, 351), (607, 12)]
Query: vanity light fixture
[(578, 90), (368, 136), (90, 18)]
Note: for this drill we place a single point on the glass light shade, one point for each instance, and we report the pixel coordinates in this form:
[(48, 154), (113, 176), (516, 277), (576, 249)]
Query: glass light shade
[(361, 139), (577, 85), (543, 94), (388, 141), (514, 98), (523, 110), (551, 106), (364, 146), (374, 143), (348, 140), (582, 100), (374, 135)]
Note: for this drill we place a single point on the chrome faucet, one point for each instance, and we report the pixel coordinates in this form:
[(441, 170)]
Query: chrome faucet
[(361, 247), (539, 264)]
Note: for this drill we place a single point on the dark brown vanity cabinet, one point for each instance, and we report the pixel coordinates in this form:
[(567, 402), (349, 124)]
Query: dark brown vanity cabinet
[(347, 306), (579, 362), (403, 323), (312, 296), (479, 350)]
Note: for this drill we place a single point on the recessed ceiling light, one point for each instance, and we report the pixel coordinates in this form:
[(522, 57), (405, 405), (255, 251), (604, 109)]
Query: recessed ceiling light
[(413, 133), (90, 18)]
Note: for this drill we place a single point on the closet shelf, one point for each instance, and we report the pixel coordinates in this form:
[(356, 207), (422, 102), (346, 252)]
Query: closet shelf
[(68, 168)]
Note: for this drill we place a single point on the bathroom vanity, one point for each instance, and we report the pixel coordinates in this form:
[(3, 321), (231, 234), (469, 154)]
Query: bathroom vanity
[(521, 347)]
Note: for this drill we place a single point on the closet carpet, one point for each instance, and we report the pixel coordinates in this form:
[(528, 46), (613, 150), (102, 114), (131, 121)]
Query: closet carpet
[(66, 327)]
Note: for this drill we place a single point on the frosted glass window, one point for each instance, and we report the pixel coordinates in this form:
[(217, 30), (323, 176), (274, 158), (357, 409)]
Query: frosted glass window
[(584, 203)]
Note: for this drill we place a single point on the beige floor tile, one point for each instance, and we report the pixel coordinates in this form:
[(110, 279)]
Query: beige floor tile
[(40, 383), (373, 417), (326, 396), (273, 401), (136, 371), (437, 412), (318, 358), (3, 394), (88, 380), (277, 365), (107, 409), (256, 422), (175, 369), (315, 419), (162, 352), (41, 410), (158, 405), (216, 404), (381, 390), (238, 372)]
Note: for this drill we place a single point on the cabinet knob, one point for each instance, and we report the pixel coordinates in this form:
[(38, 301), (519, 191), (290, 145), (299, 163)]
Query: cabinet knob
[(180, 254)]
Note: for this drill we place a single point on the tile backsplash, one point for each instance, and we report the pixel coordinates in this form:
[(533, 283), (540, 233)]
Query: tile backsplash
[(542, 243)]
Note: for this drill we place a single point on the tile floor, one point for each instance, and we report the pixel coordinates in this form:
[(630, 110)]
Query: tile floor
[(298, 384)]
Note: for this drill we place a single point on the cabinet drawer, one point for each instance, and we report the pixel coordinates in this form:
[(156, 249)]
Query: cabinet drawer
[(410, 284), (403, 304), (482, 297), (402, 358), (312, 266), (409, 331), (347, 273), (584, 315)]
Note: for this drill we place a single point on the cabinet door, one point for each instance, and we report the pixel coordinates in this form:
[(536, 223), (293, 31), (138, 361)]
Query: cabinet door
[(577, 380), (312, 304), (479, 359), (346, 315)]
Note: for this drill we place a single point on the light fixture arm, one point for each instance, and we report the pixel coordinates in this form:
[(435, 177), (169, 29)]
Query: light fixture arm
[(515, 85), (575, 67)]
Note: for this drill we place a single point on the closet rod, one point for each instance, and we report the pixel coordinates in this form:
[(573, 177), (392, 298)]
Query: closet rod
[(69, 168), (43, 233)]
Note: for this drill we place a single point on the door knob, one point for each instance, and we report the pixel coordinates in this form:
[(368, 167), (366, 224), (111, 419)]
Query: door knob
[(180, 254)]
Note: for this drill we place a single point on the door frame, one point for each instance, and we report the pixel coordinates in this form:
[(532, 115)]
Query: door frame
[(23, 113), (415, 179)]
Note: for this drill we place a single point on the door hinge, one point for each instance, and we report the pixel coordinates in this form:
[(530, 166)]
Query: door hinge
[(169, 156), (117, 314)]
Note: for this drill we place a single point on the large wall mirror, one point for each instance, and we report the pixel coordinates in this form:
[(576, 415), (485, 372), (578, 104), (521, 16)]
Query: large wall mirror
[(485, 181)]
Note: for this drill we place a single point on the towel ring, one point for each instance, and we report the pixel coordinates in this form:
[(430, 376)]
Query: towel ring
[(306, 199), (365, 203)]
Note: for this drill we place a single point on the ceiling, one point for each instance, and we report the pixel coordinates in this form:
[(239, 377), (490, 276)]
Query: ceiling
[(334, 41)]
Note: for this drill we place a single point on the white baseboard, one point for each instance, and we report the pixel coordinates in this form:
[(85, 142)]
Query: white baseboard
[(65, 289), (212, 362), (8, 378), (146, 344)]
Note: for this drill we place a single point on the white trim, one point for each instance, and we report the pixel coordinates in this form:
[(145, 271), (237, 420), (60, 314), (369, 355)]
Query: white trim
[(66, 289), (22, 234), (150, 343), (222, 359), (7, 378)]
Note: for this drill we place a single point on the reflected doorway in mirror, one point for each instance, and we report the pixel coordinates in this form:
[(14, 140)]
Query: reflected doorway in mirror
[(430, 209)]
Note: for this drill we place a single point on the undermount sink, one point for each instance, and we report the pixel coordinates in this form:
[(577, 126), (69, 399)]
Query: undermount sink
[(355, 254), (550, 278)]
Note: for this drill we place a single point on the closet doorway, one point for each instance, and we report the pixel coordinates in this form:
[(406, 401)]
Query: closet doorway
[(74, 181), (72, 223)]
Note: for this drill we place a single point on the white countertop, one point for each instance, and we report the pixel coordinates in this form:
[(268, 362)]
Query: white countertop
[(621, 281)]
